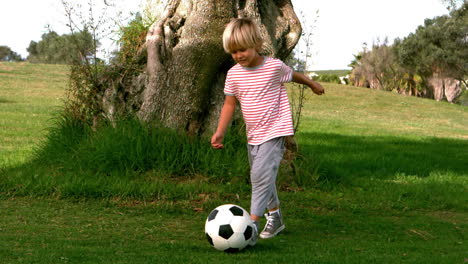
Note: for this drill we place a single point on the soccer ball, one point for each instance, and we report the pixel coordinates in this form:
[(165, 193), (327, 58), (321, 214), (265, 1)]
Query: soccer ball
[(229, 228)]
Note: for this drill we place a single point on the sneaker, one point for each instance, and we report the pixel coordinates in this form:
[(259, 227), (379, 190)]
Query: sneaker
[(254, 238), (273, 226)]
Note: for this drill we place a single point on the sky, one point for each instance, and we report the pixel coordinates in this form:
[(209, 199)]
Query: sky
[(341, 27)]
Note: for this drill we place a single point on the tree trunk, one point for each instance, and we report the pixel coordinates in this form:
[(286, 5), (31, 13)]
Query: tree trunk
[(187, 65)]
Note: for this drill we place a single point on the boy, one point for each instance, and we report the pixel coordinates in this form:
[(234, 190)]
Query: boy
[(257, 83)]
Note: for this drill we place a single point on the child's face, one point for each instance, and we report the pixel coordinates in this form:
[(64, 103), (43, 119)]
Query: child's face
[(246, 57)]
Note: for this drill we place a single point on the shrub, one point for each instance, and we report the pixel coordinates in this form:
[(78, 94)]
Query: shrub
[(463, 98), (330, 78), (133, 146)]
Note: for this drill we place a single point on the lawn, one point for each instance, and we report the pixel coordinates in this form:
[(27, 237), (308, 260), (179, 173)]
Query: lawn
[(29, 95), (389, 185)]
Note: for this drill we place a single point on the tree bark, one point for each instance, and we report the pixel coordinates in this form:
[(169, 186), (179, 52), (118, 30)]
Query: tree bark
[(187, 65)]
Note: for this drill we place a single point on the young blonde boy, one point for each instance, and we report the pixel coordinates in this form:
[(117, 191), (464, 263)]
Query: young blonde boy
[(257, 83)]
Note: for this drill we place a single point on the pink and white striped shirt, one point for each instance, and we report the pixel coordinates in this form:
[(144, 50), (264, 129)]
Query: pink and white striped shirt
[(263, 99)]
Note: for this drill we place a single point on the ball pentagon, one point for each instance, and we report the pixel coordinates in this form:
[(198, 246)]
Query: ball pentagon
[(212, 215), (236, 210), (225, 231)]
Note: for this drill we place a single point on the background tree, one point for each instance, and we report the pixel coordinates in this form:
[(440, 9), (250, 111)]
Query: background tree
[(453, 4), (61, 49), (6, 54), (440, 46), (438, 52), (377, 66), (430, 62)]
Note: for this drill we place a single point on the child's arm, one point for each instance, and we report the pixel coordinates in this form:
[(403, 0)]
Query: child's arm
[(302, 79), (225, 118)]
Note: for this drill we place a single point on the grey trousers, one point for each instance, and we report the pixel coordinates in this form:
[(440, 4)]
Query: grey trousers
[(264, 163)]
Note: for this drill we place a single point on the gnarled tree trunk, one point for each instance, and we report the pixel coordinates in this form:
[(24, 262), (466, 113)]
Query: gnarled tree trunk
[(444, 87), (187, 65)]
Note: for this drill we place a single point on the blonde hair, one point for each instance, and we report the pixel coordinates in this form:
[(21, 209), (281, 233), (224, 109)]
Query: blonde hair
[(241, 33)]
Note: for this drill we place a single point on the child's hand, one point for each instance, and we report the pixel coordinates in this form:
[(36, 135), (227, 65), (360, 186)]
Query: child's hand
[(317, 88), (217, 140), (302, 79)]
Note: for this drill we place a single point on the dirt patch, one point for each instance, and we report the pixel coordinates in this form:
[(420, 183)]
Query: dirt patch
[(5, 68)]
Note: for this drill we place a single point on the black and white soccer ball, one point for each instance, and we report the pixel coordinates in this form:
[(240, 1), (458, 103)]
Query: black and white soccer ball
[(229, 228)]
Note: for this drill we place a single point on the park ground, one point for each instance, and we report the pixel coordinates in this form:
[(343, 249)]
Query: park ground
[(384, 180)]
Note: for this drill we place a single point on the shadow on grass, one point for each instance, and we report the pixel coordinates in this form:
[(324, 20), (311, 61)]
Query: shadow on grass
[(6, 101), (344, 157)]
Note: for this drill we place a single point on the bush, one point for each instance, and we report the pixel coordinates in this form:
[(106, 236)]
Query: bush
[(330, 78), (90, 78), (134, 146), (131, 41), (463, 98)]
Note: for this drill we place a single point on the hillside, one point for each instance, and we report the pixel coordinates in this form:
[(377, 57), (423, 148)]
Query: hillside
[(362, 111), (30, 95)]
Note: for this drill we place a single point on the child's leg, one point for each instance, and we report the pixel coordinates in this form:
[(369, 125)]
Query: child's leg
[(273, 203), (264, 161)]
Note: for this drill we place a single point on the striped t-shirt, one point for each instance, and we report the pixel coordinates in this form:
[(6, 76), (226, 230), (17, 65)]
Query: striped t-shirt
[(263, 99)]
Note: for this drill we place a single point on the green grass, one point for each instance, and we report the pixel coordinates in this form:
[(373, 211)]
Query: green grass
[(360, 111), (58, 231), (29, 95), (382, 178)]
